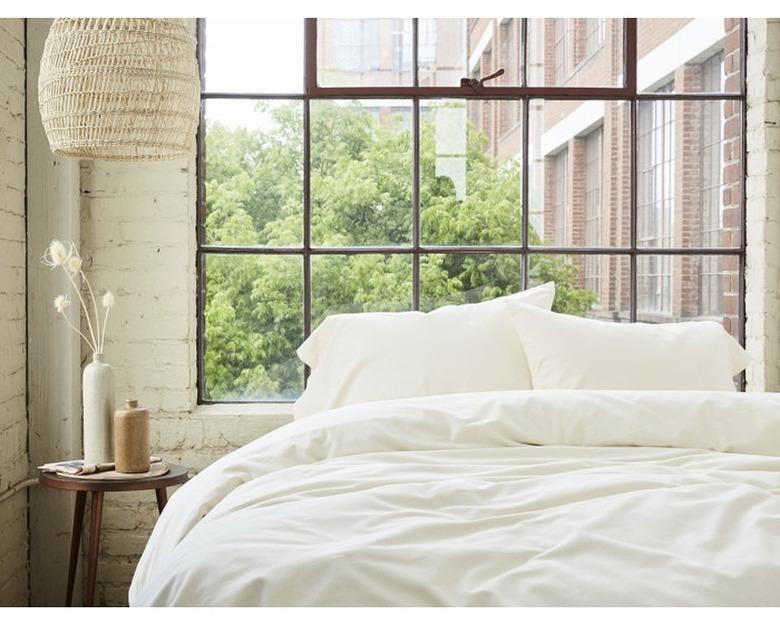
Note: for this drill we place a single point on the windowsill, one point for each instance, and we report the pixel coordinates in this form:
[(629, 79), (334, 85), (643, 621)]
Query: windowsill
[(271, 411)]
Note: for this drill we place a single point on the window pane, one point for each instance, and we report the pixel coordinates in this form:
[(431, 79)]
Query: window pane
[(688, 55), (360, 283), (467, 278), (575, 52), (361, 172), (253, 325), (364, 52), (254, 179), (450, 49), (580, 173), (688, 171), (273, 48), (682, 288), (470, 172), (595, 286)]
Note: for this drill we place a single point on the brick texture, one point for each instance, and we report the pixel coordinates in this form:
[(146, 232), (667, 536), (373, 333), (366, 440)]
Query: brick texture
[(13, 418), (762, 304), (138, 239)]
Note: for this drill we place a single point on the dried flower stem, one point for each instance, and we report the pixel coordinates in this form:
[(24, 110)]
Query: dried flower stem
[(103, 335), (86, 311), (73, 327), (100, 339)]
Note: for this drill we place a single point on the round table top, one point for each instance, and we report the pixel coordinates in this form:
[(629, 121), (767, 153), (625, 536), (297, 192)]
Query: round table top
[(176, 474)]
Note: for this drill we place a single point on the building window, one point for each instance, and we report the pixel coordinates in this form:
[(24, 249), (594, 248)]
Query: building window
[(711, 276), (427, 46), (509, 60), (401, 35), (357, 49), (560, 212), (595, 30), (655, 202), (358, 184), (561, 36), (593, 207)]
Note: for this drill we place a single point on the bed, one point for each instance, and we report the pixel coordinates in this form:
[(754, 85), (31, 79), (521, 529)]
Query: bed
[(511, 498)]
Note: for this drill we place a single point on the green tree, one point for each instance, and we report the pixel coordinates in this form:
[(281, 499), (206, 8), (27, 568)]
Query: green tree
[(361, 193)]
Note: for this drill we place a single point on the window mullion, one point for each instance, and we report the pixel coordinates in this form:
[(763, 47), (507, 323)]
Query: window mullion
[(309, 83), (306, 226), (633, 147), (630, 54), (415, 53), (310, 55), (524, 52), (526, 104), (630, 84), (416, 203)]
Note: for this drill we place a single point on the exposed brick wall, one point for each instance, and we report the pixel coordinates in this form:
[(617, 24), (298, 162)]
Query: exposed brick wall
[(762, 303), (732, 149), (14, 588), (576, 217)]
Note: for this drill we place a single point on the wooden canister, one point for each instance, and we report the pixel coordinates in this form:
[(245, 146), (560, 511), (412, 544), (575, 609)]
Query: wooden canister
[(131, 438)]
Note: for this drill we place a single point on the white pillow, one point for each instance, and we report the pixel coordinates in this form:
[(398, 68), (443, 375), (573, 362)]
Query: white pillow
[(569, 352), (356, 358)]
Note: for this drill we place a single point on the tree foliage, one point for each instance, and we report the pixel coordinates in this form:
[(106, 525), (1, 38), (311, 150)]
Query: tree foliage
[(361, 194)]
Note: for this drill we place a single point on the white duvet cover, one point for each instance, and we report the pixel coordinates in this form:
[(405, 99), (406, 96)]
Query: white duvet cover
[(512, 498)]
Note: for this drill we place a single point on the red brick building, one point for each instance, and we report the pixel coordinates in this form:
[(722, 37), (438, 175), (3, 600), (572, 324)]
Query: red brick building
[(580, 171)]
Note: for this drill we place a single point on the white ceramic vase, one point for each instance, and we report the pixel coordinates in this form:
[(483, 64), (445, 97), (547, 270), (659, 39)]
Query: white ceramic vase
[(98, 396)]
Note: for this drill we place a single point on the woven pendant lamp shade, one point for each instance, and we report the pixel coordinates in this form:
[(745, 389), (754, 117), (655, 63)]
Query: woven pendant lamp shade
[(119, 88)]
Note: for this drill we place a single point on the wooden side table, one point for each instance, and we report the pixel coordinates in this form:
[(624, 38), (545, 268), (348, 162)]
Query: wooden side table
[(174, 476)]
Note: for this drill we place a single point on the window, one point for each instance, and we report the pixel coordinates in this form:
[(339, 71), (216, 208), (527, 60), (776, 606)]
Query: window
[(441, 52), (655, 210), (352, 52), (427, 47), (357, 49), (711, 276), (560, 208), (509, 61), (593, 173), (402, 33), (366, 178), (595, 28), (561, 49)]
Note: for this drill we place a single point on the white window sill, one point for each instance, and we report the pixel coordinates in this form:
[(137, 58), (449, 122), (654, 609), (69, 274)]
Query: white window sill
[(275, 411)]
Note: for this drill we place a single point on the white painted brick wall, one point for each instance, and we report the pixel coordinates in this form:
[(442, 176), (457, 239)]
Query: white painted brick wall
[(762, 304), (138, 239), (14, 588)]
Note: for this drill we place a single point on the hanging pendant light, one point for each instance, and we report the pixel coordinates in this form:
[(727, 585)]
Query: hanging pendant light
[(119, 88)]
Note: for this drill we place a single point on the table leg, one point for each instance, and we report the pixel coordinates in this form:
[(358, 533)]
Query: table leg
[(162, 498), (94, 545), (75, 542)]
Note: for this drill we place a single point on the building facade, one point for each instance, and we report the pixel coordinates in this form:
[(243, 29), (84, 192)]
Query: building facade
[(688, 159)]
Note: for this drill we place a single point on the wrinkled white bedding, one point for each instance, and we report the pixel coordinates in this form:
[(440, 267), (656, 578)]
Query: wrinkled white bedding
[(511, 498)]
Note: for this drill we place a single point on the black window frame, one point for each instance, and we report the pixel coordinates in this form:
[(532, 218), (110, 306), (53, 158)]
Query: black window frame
[(523, 94)]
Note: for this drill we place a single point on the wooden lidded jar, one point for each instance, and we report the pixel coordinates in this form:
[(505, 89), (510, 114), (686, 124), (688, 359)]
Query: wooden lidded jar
[(131, 438)]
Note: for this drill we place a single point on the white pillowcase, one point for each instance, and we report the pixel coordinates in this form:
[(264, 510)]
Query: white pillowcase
[(569, 352), (356, 358)]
